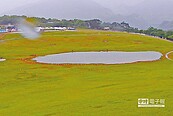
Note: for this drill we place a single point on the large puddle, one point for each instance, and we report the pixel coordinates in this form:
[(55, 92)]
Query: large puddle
[(99, 57)]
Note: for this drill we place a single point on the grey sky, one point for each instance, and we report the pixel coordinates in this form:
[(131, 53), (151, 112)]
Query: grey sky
[(6, 5), (11, 4), (136, 12), (120, 2)]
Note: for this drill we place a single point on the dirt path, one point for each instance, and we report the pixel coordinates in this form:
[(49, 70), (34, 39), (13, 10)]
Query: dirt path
[(1, 36)]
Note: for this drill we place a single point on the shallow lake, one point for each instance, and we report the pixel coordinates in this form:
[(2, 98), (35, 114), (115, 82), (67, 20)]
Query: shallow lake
[(99, 57)]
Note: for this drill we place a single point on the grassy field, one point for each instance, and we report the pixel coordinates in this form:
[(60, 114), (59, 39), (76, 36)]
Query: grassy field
[(171, 56), (32, 89)]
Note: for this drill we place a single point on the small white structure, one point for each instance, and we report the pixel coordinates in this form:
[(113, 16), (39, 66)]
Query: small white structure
[(71, 28), (106, 28), (41, 29), (60, 28)]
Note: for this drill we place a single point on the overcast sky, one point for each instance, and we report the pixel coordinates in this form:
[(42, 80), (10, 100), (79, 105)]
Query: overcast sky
[(126, 2), (141, 12), (6, 5)]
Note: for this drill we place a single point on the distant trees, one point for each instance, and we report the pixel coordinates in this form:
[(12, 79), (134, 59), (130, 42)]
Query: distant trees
[(170, 37), (158, 32), (94, 24), (155, 32), (169, 34), (50, 22), (5, 20), (117, 26), (90, 24)]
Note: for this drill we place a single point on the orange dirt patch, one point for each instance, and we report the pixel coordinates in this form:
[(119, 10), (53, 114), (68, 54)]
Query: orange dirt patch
[(28, 60), (2, 35), (171, 56)]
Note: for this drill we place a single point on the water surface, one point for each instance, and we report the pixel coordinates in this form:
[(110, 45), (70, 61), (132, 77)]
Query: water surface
[(99, 57)]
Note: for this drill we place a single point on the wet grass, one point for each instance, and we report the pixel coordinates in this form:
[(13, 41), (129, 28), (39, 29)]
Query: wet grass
[(28, 88)]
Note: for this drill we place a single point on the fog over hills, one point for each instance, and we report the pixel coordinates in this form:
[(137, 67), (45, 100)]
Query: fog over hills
[(139, 13), (65, 9), (155, 11)]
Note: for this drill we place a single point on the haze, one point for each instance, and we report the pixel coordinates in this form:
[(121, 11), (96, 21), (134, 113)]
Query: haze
[(139, 13)]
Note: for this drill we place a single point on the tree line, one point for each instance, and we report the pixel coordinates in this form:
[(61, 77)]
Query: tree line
[(87, 24)]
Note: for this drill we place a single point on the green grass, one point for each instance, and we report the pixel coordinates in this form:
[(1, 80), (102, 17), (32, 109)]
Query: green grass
[(31, 89)]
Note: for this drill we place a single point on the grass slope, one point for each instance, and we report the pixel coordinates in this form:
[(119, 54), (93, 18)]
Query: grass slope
[(28, 88)]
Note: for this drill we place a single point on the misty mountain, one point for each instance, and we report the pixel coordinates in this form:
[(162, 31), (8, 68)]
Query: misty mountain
[(65, 9), (143, 13), (154, 11), (134, 20), (166, 25)]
